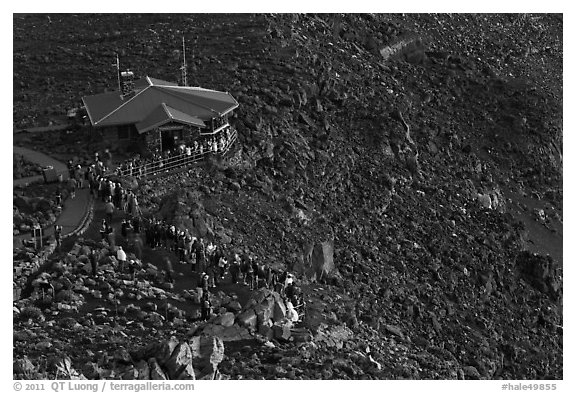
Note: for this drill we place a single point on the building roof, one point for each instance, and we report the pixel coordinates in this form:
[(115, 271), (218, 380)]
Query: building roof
[(156, 100), (164, 114)]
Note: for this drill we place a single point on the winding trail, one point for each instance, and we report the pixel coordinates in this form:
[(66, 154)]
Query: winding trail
[(76, 212)]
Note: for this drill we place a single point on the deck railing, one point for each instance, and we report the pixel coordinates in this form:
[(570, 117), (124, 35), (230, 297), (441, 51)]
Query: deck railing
[(152, 168)]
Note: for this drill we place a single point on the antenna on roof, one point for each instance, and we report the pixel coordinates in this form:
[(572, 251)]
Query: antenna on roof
[(183, 68), (117, 65)]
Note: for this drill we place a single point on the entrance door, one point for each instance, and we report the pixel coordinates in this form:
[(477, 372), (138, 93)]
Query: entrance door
[(167, 140)]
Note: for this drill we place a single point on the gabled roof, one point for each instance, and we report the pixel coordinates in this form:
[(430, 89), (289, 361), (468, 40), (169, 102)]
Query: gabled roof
[(190, 103), (164, 114)]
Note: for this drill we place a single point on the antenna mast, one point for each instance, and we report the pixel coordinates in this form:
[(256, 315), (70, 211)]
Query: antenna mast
[(183, 68), (117, 65)]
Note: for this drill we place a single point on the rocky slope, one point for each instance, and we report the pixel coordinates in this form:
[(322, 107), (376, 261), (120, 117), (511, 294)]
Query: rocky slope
[(437, 232)]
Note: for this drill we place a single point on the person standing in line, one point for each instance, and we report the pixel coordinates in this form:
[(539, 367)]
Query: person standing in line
[(200, 255), (235, 269), (200, 287), (250, 274), (104, 229), (111, 237), (109, 210), (256, 270), (136, 224), (73, 183), (169, 269), (132, 266), (206, 307), (269, 273), (59, 198), (121, 257), (188, 241), (222, 263), (58, 236), (94, 261), (108, 158), (180, 239)]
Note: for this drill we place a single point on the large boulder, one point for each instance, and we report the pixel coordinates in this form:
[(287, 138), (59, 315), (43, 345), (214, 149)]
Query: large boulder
[(207, 352), (542, 272), (162, 351), (247, 319), (279, 311), (143, 369), (316, 262), (333, 336), (264, 310), (179, 366), (226, 319), (282, 331), (156, 372), (323, 260)]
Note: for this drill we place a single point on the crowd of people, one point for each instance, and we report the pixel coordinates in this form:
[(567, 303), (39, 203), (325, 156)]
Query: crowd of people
[(178, 156), (210, 263), (213, 263)]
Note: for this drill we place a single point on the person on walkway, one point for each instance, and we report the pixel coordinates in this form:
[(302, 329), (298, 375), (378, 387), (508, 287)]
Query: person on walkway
[(123, 228), (235, 269), (132, 267), (200, 286), (171, 238), (73, 184), (200, 255), (58, 236), (111, 237), (180, 239), (289, 281), (205, 281), (256, 269), (297, 297), (206, 307), (86, 178), (281, 283), (100, 168), (79, 175), (118, 192), (291, 313), (169, 269), (94, 257), (210, 249), (59, 198), (289, 291), (111, 190), (222, 264), (102, 189), (104, 229), (250, 273), (188, 241), (138, 246), (136, 224), (121, 257), (109, 210), (108, 158), (70, 166), (269, 277)]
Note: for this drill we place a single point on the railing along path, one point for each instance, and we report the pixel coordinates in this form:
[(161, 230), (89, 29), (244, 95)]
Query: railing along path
[(167, 164)]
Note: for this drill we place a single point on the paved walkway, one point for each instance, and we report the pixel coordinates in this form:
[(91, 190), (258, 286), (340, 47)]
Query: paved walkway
[(56, 127), (41, 159), (74, 211)]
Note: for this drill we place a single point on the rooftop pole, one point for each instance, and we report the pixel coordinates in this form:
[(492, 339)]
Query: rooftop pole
[(183, 68), (117, 65)]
